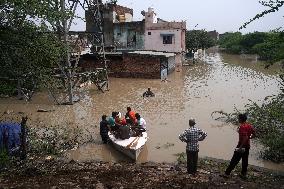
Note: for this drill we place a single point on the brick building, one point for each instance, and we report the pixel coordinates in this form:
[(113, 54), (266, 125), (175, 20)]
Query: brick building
[(159, 39)]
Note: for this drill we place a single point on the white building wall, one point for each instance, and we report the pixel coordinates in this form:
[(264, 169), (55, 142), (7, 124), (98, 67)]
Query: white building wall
[(155, 40), (128, 17)]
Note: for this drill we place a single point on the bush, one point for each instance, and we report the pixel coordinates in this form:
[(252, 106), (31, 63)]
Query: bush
[(268, 120), (7, 88), (4, 157)]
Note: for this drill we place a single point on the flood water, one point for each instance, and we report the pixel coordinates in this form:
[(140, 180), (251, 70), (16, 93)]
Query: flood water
[(224, 82)]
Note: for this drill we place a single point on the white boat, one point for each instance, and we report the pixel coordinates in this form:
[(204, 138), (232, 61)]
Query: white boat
[(130, 147)]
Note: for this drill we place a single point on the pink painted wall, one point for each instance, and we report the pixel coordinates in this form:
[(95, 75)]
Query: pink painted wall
[(155, 40)]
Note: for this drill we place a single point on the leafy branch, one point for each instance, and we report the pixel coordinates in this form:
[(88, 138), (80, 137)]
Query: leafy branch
[(274, 6)]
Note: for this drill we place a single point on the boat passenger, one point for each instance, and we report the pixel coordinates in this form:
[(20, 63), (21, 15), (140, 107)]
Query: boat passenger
[(140, 121), (111, 121), (130, 116), (140, 125), (148, 93), (124, 132), (119, 121)]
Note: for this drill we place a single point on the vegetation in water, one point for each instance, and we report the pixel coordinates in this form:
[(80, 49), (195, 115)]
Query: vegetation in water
[(55, 140), (268, 120), (268, 45)]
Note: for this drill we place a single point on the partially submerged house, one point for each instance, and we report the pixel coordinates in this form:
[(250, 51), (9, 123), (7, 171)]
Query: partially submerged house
[(135, 64), (164, 36), (141, 45)]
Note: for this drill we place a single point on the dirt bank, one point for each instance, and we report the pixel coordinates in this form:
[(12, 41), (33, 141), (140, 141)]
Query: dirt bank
[(57, 174)]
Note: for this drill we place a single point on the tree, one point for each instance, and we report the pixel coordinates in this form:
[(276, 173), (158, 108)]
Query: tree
[(248, 41), (231, 42), (274, 6), (29, 50), (272, 48), (198, 39)]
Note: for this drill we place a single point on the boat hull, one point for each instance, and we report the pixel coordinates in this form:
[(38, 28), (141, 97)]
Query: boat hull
[(131, 147)]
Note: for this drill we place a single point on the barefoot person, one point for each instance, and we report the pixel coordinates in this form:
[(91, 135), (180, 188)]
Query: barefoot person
[(246, 132), (192, 136)]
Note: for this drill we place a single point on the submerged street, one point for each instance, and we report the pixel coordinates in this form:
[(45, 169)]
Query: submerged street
[(222, 83)]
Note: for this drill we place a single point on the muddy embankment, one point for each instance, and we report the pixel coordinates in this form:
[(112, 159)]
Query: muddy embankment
[(58, 174)]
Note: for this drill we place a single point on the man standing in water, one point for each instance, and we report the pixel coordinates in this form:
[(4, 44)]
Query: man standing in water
[(192, 136), (104, 129), (246, 132), (148, 93)]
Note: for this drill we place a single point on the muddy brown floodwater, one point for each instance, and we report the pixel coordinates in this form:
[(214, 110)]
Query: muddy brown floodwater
[(222, 83)]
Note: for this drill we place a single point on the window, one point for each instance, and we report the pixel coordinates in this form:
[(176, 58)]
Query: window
[(149, 33), (167, 39)]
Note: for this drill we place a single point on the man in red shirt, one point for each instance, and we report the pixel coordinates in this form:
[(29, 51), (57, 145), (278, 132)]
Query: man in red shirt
[(130, 116), (246, 132)]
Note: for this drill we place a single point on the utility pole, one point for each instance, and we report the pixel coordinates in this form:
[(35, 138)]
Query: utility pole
[(71, 56)]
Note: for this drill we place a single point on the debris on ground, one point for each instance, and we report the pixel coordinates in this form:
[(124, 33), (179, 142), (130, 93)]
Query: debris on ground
[(52, 173)]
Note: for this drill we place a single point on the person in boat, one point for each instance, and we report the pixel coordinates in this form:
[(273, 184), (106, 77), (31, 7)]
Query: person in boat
[(130, 116), (192, 136), (111, 122), (119, 121), (140, 125), (148, 93), (104, 129), (124, 132)]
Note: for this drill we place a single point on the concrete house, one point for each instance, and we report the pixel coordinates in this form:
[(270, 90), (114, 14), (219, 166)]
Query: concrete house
[(164, 36), (152, 38)]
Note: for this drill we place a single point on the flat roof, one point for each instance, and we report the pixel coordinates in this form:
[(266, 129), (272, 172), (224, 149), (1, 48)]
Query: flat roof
[(154, 53)]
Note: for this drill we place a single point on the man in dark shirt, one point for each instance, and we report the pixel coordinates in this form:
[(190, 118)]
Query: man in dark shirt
[(124, 132), (104, 129), (246, 132), (148, 93)]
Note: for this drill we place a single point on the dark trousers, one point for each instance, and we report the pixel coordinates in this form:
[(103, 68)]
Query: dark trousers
[(104, 138), (192, 157), (235, 160)]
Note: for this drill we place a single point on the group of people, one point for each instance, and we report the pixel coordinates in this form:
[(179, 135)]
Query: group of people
[(132, 124), (193, 135)]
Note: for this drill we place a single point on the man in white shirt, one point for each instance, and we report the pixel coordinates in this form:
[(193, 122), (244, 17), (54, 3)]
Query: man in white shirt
[(141, 123)]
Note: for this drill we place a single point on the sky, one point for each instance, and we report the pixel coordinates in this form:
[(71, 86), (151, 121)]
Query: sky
[(220, 15)]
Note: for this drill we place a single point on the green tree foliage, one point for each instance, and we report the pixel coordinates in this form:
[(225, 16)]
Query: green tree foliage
[(231, 42), (198, 39), (248, 41), (273, 6), (268, 118), (269, 46), (28, 49), (272, 48)]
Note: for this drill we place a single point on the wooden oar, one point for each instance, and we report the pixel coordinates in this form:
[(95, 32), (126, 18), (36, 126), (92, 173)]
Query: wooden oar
[(129, 145), (135, 143)]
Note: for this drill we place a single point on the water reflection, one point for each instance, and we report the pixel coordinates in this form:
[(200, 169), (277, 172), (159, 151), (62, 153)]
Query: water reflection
[(224, 82)]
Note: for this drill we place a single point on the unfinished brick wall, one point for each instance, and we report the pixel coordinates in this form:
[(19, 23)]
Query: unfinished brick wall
[(138, 66), (127, 65)]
